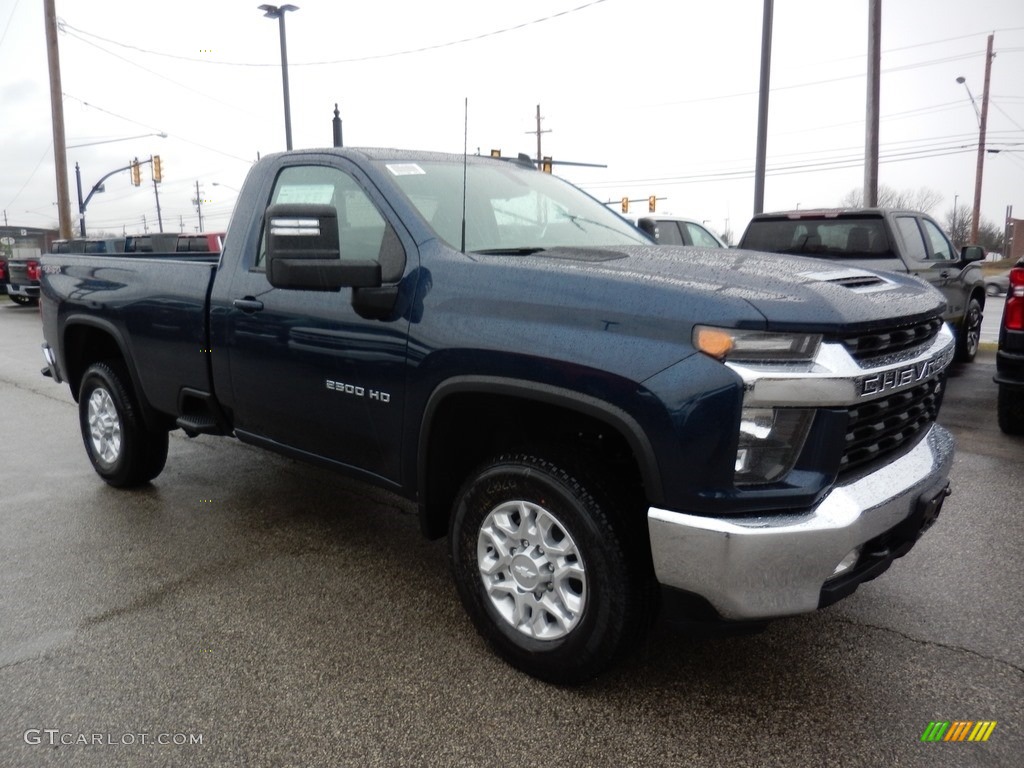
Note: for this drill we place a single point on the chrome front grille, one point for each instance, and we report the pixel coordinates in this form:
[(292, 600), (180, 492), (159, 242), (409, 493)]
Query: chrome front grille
[(883, 426)]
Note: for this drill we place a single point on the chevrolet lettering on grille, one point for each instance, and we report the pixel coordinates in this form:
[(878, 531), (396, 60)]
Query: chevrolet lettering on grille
[(905, 376)]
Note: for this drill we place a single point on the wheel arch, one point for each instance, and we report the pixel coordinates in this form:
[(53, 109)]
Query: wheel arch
[(455, 436), (87, 340)]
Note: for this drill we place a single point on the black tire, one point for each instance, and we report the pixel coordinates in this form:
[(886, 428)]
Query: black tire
[(25, 301), (968, 335), (604, 599), (1010, 407), (123, 451)]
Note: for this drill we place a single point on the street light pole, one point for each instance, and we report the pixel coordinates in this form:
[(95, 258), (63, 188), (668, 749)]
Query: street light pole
[(278, 12)]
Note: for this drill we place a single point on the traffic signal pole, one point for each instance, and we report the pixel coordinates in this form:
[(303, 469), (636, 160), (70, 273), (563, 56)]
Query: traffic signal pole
[(83, 204), (155, 166)]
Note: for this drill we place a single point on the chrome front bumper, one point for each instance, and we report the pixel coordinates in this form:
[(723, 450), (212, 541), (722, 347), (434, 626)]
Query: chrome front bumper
[(776, 565)]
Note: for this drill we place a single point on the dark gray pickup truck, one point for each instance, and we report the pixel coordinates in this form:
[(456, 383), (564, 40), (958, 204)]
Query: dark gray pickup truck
[(600, 425), (885, 239)]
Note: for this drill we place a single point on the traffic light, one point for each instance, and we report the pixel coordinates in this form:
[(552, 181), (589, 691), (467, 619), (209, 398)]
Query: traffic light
[(546, 164), (625, 205), (136, 173), (652, 201), (158, 174)]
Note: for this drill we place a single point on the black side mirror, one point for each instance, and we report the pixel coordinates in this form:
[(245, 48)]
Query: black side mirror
[(303, 252), (971, 253)]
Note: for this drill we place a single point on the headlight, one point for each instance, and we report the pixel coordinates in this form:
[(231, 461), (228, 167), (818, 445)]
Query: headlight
[(755, 346), (770, 442)]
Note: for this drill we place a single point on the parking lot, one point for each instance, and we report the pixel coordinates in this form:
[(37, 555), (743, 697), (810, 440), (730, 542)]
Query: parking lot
[(245, 609)]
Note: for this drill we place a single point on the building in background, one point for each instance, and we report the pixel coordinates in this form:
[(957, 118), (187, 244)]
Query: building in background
[(25, 242)]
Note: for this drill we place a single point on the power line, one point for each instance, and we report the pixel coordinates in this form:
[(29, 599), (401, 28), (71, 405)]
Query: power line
[(184, 87), (787, 170), (371, 57), (7, 26), (144, 125)]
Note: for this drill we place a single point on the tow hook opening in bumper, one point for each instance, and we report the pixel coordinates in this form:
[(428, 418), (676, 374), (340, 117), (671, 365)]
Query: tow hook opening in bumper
[(878, 554)]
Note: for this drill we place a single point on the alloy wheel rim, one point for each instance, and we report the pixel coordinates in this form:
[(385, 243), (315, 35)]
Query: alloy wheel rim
[(104, 426), (973, 331), (532, 570)]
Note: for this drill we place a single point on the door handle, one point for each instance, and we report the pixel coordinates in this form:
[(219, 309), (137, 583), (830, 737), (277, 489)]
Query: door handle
[(944, 274), (248, 304)]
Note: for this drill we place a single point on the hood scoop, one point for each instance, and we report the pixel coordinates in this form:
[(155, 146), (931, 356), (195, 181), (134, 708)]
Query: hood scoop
[(857, 280)]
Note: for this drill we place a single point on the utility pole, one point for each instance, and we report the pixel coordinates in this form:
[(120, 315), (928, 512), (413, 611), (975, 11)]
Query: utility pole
[(874, 96), (60, 152), (762, 107), (199, 206), (976, 219), (538, 131)]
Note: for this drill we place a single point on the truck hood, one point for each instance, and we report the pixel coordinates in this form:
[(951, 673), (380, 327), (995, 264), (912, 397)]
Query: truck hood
[(788, 292)]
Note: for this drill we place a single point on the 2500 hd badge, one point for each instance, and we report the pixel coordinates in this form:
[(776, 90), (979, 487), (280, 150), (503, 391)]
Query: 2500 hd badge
[(352, 389)]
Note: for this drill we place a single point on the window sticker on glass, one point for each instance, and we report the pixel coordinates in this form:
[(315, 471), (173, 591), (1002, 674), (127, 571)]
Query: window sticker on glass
[(321, 194), (405, 169)]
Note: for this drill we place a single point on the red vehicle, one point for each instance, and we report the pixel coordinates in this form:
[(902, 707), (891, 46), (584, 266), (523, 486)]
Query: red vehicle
[(1010, 356), (21, 280)]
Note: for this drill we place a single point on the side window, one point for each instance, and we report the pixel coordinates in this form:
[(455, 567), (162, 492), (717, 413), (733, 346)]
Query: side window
[(911, 236), (701, 236), (668, 233), (363, 232), (942, 250)]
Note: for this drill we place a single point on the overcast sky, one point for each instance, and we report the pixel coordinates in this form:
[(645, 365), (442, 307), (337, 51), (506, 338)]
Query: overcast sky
[(662, 91)]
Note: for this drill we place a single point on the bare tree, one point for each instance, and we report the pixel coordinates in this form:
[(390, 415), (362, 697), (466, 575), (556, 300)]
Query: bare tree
[(990, 236), (922, 199), (958, 225)]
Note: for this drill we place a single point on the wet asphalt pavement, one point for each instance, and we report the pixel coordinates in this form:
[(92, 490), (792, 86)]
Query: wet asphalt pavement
[(280, 615)]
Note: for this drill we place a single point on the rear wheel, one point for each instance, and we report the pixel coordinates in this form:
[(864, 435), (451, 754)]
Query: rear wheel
[(123, 451), (1010, 407), (968, 335), (548, 569)]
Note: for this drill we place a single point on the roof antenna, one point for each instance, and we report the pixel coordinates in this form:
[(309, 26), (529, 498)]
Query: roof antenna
[(465, 160)]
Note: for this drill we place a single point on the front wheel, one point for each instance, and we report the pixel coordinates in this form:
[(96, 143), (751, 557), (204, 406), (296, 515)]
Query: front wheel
[(123, 451), (968, 335), (554, 576)]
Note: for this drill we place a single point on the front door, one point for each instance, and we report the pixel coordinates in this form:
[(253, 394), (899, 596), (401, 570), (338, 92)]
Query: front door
[(307, 372)]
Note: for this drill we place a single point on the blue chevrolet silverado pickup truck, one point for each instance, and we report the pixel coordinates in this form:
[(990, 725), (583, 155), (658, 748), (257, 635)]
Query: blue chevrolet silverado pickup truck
[(603, 427)]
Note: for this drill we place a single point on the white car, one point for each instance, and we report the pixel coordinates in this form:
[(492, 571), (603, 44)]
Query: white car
[(677, 230)]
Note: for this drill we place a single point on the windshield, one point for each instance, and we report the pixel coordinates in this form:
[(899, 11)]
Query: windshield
[(508, 208)]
